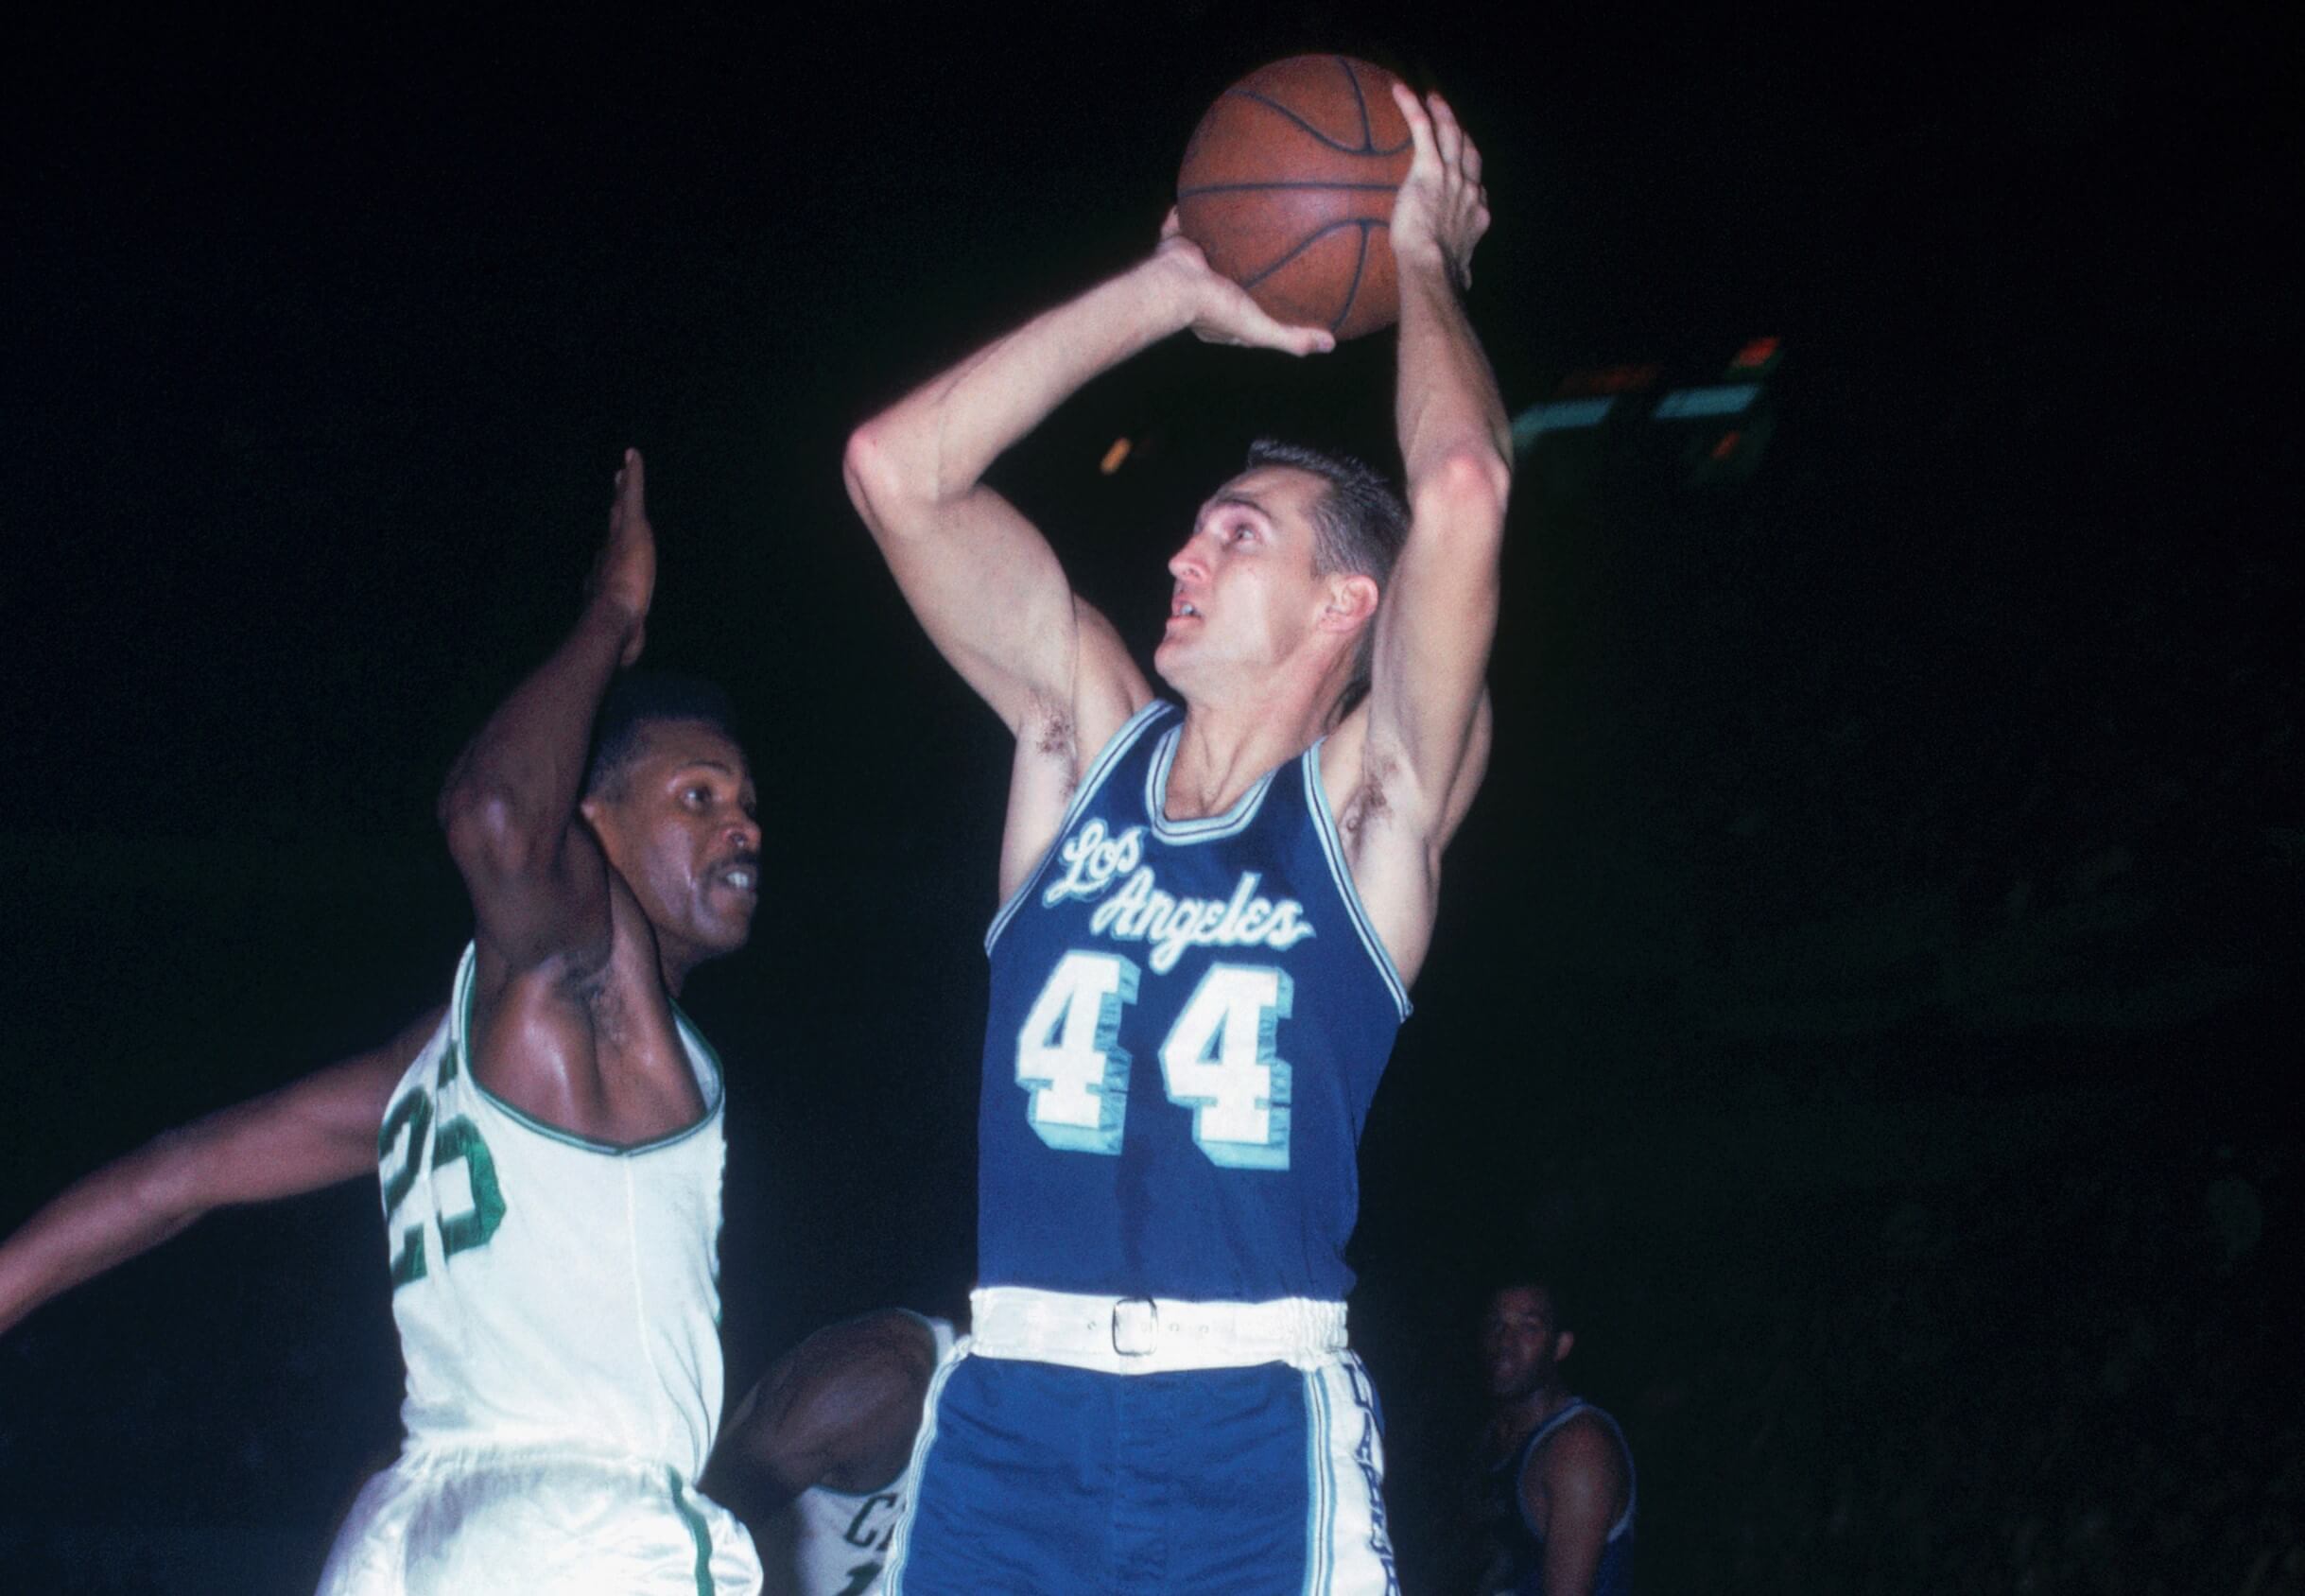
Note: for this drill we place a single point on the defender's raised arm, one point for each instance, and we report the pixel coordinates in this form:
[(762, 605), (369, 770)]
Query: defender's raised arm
[(538, 882)]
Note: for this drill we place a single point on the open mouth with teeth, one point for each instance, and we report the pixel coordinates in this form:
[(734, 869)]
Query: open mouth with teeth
[(742, 875), (1182, 608)]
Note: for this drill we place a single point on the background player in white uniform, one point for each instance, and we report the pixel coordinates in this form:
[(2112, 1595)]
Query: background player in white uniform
[(1267, 638), (550, 1146), (813, 1460)]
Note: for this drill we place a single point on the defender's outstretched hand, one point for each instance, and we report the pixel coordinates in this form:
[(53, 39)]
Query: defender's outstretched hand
[(1221, 308), (625, 574), (1442, 210)]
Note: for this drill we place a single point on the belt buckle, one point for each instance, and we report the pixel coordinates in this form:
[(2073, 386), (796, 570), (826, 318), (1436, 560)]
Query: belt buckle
[(1136, 1327)]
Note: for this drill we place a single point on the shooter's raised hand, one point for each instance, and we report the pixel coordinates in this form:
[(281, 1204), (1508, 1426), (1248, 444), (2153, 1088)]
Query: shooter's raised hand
[(1442, 210), (1219, 309), (624, 576)]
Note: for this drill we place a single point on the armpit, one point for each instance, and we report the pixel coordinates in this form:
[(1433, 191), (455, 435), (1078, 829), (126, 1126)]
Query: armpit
[(1053, 735), (1372, 801)]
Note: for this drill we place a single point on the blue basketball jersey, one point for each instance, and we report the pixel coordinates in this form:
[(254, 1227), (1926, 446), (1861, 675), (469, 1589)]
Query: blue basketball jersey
[(1524, 1548), (1188, 1020)]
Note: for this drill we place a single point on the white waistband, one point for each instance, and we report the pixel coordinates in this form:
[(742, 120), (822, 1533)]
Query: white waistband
[(1148, 1335)]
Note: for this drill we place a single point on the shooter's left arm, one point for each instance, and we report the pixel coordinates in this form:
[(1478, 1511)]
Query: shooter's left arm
[(1428, 716)]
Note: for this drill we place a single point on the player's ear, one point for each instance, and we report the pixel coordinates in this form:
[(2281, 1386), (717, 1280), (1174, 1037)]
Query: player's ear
[(1562, 1342), (1351, 604), (598, 814)]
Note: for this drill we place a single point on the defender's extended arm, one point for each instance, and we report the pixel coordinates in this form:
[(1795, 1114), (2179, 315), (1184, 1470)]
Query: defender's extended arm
[(307, 1134)]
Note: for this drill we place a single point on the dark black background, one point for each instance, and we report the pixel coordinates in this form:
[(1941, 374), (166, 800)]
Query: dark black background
[(1869, 965)]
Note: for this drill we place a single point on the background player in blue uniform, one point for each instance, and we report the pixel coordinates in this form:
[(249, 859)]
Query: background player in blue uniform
[(1557, 1494), (1210, 919)]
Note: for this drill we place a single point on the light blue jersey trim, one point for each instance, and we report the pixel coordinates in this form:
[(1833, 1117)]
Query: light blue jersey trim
[(1324, 825), (1208, 829), (702, 1062), (1119, 744), (1536, 1444)]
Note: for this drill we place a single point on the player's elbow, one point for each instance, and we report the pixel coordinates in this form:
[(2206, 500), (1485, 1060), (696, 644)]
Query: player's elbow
[(890, 480), (170, 1180), (1468, 488), (491, 832)]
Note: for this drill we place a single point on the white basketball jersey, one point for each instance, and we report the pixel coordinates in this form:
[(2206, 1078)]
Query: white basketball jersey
[(830, 1543), (547, 1288)]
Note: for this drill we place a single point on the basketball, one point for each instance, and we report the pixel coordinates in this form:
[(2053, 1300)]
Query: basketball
[(1288, 188)]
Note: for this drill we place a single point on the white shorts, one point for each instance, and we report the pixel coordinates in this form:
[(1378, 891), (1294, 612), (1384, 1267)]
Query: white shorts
[(550, 1521)]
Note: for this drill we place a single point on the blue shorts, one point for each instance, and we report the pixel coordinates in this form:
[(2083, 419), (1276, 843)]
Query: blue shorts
[(1036, 1477)]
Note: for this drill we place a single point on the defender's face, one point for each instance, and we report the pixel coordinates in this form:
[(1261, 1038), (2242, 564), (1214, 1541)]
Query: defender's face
[(681, 832), (1245, 595), (1519, 1346)]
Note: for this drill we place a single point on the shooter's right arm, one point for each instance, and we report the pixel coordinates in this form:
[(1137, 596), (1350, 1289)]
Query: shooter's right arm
[(310, 1134), (981, 576)]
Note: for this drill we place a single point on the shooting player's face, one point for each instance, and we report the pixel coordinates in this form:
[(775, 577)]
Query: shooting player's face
[(1520, 1347), (1245, 593), (678, 826)]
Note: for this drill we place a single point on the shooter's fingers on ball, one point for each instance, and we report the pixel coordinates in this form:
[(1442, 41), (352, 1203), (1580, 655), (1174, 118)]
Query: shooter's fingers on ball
[(1261, 331), (1420, 125), (1230, 316), (1169, 226), (1448, 136), (1470, 159)]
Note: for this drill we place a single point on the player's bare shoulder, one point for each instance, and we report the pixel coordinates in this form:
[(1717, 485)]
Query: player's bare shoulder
[(1393, 831), (1059, 737), (1376, 819)]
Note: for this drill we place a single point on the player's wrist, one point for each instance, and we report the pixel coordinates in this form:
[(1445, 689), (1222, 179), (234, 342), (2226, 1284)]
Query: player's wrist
[(1171, 290), (1422, 258), (613, 615)]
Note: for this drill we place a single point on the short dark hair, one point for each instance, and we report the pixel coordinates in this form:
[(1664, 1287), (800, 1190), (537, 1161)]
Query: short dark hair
[(1560, 1303), (1359, 522), (639, 699)]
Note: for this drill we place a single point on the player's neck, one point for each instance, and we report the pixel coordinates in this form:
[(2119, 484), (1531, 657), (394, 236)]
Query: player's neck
[(1521, 1417), (675, 960), (1224, 749)]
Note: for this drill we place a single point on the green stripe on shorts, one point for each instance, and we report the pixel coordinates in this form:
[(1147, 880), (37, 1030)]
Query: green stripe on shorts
[(697, 1529)]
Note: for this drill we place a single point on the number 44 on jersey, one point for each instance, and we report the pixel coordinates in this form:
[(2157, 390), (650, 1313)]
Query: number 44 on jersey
[(1219, 1060)]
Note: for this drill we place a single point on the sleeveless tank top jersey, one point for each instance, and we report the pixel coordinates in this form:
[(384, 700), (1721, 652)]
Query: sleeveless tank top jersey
[(549, 1289), (1188, 1020), (1613, 1575)]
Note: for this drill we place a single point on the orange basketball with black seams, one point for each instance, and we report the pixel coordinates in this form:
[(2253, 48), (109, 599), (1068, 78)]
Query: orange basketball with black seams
[(1288, 188)]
